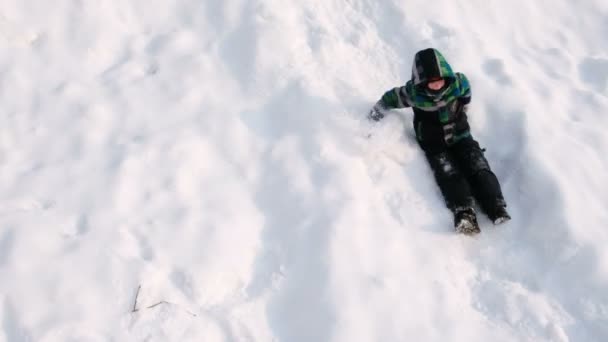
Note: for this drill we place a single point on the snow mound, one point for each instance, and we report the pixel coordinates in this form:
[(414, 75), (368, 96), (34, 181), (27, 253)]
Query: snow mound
[(215, 155)]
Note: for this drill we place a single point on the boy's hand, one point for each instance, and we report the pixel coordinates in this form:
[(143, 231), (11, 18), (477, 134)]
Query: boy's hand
[(376, 113), (463, 104)]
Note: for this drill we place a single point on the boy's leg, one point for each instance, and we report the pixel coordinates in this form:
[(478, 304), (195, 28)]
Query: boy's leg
[(486, 187), (452, 182), (456, 191)]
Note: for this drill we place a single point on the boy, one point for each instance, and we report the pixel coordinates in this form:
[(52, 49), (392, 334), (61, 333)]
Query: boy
[(439, 99)]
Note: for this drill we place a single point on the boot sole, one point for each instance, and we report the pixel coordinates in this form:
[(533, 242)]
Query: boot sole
[(501, 220), (467, 228)]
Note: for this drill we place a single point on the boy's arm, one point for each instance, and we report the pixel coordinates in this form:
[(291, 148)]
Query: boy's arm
[(394, 98), (465, 90)]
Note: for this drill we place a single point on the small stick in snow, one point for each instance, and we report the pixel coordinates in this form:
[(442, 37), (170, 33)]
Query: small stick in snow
[(135, 309), (157, 304), (169, 303)]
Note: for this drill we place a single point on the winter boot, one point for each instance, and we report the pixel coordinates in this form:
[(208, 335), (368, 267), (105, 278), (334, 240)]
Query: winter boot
[(500, 215), (465, 221)]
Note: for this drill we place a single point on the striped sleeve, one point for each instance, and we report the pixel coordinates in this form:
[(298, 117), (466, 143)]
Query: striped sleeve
[(395, 98), (465, 88)]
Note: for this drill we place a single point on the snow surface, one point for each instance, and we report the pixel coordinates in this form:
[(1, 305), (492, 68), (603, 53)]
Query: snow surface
[(215, 153)]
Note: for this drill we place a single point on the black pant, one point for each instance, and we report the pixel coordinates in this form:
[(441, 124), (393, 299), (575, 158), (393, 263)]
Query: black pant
[(463, 174)]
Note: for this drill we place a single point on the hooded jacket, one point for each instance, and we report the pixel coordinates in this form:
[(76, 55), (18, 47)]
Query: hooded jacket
[(440, 118)]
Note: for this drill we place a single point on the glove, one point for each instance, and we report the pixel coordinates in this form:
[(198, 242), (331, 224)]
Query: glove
[(376, 112), (463, 105)]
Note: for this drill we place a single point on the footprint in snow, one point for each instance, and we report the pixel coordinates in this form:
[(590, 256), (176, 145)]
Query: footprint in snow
[(495, 69), (594, 72)]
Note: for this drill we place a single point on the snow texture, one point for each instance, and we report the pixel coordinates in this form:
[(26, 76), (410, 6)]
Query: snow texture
[(216, 153)]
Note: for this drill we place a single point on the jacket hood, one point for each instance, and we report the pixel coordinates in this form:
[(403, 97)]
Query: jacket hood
[(428, 64)]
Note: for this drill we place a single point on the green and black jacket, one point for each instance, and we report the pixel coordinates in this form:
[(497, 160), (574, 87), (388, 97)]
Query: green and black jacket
[(440, 118)]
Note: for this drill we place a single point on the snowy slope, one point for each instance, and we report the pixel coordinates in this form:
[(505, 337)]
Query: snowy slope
[(215, 154)]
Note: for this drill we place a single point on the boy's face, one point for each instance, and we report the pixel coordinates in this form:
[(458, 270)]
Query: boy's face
[(436, 84)]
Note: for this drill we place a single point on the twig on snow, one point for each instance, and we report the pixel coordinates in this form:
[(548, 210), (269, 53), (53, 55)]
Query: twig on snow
[(169, 303), (135, 309)]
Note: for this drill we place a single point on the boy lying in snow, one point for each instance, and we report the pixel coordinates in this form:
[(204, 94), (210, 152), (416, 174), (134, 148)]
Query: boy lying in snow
[(439, 98)]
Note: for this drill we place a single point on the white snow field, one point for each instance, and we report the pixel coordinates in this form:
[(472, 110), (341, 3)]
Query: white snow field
[(215, 155)]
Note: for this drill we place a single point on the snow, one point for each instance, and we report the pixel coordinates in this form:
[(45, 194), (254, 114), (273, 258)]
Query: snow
[(216, 153)]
